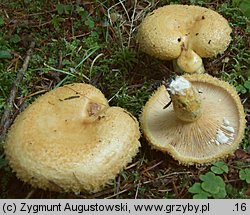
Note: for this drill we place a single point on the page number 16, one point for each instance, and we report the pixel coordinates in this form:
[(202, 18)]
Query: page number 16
[(240, 207)]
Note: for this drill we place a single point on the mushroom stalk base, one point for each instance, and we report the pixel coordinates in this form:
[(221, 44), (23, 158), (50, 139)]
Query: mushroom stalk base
[(187, 105), (188, 62)]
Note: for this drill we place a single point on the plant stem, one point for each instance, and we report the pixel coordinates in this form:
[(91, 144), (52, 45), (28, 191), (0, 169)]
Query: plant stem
[(6, 118)]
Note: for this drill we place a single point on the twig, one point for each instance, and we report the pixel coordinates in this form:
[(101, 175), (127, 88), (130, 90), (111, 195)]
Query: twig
[(132, 23), (60, 60), (5, 120), (118, 185), (115, 94), (99, 194), (116, 194), (137, 190), (166, 176), (30, 194), (152, 167), (175, 188), (132, 165), (80, 35)]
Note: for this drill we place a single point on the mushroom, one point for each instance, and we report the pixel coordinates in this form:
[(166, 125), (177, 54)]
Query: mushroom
[(184, 34), (69, 139), (204, 122)]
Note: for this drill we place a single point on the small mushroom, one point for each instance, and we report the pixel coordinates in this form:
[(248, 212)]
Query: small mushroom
[(70, 139), (184, 34), (204, 122)]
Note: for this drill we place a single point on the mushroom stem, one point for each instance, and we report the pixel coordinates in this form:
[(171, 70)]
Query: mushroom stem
[(186, 100), (190, 62)]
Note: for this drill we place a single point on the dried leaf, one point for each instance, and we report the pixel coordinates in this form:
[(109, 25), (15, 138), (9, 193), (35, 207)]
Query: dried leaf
[(241, 154)]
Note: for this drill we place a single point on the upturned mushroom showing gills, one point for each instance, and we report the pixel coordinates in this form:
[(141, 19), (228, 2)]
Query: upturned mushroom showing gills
[(70, 139), (204, 122), (184, 34)]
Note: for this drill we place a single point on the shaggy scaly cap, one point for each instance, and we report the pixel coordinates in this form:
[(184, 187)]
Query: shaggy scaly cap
[(69, 139), (186, 33)]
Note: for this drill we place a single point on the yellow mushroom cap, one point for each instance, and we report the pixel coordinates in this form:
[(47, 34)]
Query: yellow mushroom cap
[(165, 31), (217, 133), (69, 139)]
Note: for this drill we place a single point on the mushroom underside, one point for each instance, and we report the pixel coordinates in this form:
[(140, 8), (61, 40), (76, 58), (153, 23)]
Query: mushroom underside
[(215, 134)]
